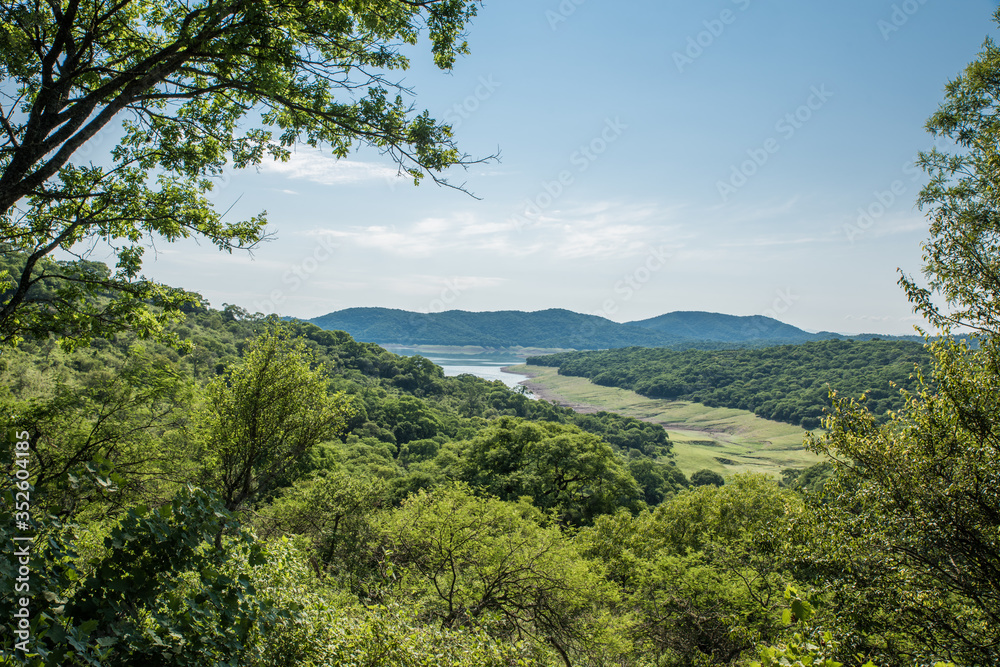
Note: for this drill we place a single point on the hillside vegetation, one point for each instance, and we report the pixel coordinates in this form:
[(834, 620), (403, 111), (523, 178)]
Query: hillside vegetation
[(562, 329), (789, 383), (723, 440)]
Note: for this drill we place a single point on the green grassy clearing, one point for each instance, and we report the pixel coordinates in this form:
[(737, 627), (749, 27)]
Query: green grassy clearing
[(721, 439)]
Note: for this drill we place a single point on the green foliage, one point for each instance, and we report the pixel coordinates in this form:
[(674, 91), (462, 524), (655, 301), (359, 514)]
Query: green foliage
[(811, 479), (658, 481), (706, 477), (188, 74), (327, 628), (156, 593), (559, 467), (412, 419), (98, 411), (463, 560), (159, 593), (962, 257), (702, 573), (788, 383), (916, 507), (334, 511), (809, 647), (264, 415)]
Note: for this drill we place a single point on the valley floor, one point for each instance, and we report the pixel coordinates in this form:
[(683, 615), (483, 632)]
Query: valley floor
[(721, 439)]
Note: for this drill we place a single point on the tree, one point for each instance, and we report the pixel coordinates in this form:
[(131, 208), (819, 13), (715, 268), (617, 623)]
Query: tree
[(128, 415), (962, 258), (559, 466), (264, 415), (334, 511), (175, 78), (153, 595), (702, 573), (915, 508), (911, 530), (658, 481), (480, 562), (706, 477)]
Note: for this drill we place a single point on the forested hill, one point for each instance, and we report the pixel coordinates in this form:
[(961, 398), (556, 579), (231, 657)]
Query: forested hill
[(554, 328), (727, 328), (557, 328), (788, 383)]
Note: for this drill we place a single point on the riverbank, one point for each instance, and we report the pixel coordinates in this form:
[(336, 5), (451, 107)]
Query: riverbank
[(518, 352)]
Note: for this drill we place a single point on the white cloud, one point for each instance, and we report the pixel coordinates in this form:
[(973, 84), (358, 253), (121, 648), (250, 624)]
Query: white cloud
[(311, 164), (602, 231), (610, 230)]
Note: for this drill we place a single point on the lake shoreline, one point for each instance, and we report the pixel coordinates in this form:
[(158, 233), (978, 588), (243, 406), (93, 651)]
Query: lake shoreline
[(544, 392), (521, 352)]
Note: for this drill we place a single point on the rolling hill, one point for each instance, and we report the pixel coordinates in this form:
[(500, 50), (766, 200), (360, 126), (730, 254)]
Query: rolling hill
[(695, 325), (561, 329), (553, 328)]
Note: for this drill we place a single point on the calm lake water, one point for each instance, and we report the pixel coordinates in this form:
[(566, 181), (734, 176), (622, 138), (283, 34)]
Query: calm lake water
[(485, 365)]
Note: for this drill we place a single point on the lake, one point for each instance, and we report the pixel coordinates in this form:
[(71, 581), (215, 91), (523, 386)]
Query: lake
[(486, 365)]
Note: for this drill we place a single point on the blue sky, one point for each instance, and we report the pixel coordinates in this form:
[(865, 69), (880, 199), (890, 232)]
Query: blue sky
[(735, 156)]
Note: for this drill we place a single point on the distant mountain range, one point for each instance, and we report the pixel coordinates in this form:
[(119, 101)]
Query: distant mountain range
[(564, 329)]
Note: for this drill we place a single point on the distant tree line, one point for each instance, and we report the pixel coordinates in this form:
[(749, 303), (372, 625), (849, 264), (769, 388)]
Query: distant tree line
[(787, 383)]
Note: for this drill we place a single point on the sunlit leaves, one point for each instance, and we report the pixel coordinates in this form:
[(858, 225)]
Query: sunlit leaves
[(195, 88), (264, 415)]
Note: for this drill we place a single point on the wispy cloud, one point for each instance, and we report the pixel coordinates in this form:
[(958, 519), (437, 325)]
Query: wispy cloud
[(313, 165), (602, 231), (432, 285), (903, 225)]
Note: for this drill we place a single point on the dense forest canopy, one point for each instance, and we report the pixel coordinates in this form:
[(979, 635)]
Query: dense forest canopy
[(788, 383), (276, 419)]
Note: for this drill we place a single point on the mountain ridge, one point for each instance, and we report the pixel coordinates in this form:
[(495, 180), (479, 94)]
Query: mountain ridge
[(565, 329)]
